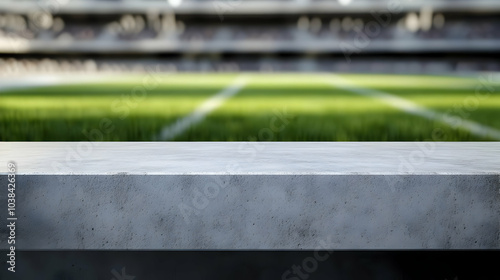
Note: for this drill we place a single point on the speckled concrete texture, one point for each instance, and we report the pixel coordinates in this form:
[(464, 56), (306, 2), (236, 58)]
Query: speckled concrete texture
[(256, 211)]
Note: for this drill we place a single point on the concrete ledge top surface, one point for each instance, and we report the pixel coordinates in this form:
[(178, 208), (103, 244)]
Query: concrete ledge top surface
[(267, 158)]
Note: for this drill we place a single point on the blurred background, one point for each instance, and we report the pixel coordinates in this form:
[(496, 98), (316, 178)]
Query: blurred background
[(410, 70), (387, 36)]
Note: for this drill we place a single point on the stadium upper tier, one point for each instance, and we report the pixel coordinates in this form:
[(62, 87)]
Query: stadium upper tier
[(228, 7), (426, 31)]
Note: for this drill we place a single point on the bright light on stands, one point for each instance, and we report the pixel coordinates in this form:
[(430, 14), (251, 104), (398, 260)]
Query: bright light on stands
[(412, 22), (175, 3), (426, 14), (344, 2)]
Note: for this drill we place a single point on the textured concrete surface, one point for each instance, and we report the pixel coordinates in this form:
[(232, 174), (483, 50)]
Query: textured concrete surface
[(338, 198), (252, 158), (257, 212)]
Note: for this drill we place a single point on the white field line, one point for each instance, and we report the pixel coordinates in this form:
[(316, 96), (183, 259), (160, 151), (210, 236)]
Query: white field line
[(28, 83), (410, 107), (171, 131), (20, 83)]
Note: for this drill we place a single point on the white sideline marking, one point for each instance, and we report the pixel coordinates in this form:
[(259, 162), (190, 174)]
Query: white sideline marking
[(181, 125), (415, 109), (27, 82), (11, 84)]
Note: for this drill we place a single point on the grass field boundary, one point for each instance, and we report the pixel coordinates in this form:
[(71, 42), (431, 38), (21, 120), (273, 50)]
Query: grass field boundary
[(181, 125), (410, 107)]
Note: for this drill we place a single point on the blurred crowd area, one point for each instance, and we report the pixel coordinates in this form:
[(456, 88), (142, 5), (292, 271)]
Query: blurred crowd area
[(167, 27), (33, 66), (60, 36)]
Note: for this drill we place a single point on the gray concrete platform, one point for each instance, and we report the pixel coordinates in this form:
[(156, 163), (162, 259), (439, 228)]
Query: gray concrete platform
[(233, 196)]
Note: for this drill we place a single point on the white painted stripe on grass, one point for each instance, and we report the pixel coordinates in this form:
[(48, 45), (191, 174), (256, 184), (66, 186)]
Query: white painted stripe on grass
[(12, 84), (410, 107), (27, 82), (181, 125)]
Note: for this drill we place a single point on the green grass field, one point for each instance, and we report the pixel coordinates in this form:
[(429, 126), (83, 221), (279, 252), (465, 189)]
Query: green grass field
[(270, 107)]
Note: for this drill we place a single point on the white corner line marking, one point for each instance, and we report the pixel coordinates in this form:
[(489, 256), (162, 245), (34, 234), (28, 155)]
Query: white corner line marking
[(181, 125), (407, 106)]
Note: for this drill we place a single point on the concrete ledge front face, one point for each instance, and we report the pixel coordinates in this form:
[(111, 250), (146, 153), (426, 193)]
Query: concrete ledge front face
[(271, 212)]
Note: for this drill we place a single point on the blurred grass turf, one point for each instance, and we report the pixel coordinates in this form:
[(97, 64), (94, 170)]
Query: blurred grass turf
[(272, 107)]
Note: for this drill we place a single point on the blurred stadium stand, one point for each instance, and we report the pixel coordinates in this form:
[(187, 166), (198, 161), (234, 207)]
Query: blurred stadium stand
[(234, 35)]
